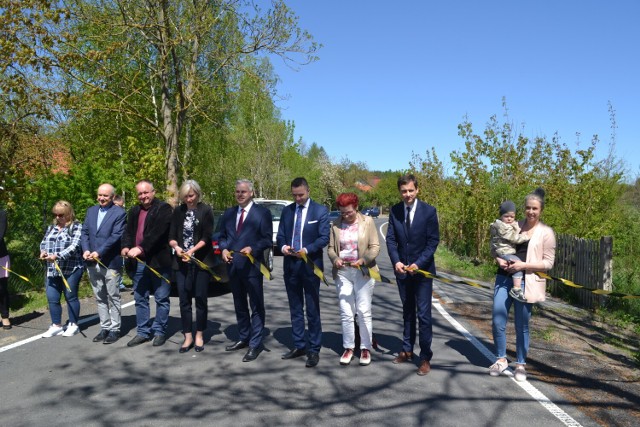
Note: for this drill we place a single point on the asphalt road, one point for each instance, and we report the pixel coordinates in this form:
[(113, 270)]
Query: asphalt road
[(73, 381)]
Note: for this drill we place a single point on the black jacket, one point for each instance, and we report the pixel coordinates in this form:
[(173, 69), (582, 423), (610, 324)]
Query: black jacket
[(202, 232), (155, 237)]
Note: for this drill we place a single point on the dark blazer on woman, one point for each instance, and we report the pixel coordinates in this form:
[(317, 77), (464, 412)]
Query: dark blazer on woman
[(203, 231)]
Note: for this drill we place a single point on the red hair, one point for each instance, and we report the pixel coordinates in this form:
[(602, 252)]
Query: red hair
[(347, 199)]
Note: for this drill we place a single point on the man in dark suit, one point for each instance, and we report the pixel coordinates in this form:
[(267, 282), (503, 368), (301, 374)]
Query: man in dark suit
[(146, 237), (304, 227), (247, 229), (100, 240), (413, 235)]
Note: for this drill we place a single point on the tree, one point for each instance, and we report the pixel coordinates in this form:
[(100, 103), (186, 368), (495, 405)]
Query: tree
[(151, 62)]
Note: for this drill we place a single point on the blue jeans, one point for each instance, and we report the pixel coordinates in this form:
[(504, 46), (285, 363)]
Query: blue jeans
[(143, 282), (502, 303), (55, 289)]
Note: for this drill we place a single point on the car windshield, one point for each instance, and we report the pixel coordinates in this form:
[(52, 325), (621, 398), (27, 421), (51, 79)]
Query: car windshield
[(275, 209), (217, 220)]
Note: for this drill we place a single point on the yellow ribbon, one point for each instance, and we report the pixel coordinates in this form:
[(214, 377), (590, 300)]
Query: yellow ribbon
[(152, 270), (96, 259), (99, 262), (55, 263), (445, 280), (263, 268), (374, 274), (316, 269), (539, 273), (202, 265), (26, 279), (593, 291)]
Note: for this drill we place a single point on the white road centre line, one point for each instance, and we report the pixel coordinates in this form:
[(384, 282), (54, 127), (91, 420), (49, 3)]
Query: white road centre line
[(536, 394), (37, 337)]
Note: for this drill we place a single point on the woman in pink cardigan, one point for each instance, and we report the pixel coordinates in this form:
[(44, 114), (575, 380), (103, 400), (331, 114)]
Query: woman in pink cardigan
[(539, 253)]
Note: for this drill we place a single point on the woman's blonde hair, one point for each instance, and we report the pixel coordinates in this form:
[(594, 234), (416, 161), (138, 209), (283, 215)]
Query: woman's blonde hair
[(63, 207), (187, 186)]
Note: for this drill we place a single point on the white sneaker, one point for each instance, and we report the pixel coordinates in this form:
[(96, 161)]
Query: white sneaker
[(71, 330), (346, 357), (520, 373), (53, 331), (365, 357)]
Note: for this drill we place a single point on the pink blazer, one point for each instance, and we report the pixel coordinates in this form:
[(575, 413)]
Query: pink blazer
[(540, 256)]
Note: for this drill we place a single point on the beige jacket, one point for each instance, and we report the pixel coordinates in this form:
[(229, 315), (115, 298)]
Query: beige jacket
[(541, 254), (368, 242)]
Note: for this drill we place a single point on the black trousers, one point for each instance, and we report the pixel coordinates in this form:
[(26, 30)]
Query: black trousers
[(4, 297), (193, 282)]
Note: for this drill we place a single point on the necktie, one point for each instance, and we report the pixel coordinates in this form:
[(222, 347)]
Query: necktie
[(407, 218), (240, 221), (297, 230)]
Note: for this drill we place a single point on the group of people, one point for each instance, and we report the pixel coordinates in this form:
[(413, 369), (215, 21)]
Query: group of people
[(153, 239)]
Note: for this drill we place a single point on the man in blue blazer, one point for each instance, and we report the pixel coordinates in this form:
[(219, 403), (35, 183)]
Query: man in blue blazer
[(413, 235), (304, 227), (100, 240), (247, 229)]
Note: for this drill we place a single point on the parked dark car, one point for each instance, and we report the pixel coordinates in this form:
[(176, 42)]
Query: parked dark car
[(373, 211), (333, 215)]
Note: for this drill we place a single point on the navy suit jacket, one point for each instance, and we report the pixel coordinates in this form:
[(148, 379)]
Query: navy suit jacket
[(315, 233), (106, 239), (415, 246), (257, 233)]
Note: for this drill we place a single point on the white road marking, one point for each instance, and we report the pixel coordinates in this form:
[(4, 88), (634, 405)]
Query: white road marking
[(37, 337), (536, 394)]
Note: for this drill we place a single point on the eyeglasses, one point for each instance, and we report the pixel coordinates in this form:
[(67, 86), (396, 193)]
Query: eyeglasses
[(57, 215)]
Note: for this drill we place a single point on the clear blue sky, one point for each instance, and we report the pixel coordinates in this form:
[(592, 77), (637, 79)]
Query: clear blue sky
[(398, 77)]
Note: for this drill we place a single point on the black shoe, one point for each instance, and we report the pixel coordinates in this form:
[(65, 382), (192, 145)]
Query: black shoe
[(112, 337), (6, 325), (137, 340), (239, 345), (312, 360), (185, 349), (252, 354), (159, 340), (296, 352), (101, 336), (199, 348)]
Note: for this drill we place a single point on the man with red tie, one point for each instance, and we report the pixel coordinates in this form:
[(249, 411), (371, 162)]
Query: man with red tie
[(247, 229), (413, 235)]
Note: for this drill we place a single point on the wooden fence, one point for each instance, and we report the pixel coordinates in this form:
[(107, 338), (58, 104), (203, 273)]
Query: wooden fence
[(585, 262)]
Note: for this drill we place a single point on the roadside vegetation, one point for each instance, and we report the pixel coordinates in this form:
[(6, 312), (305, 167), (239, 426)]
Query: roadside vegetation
[(95, 92)]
